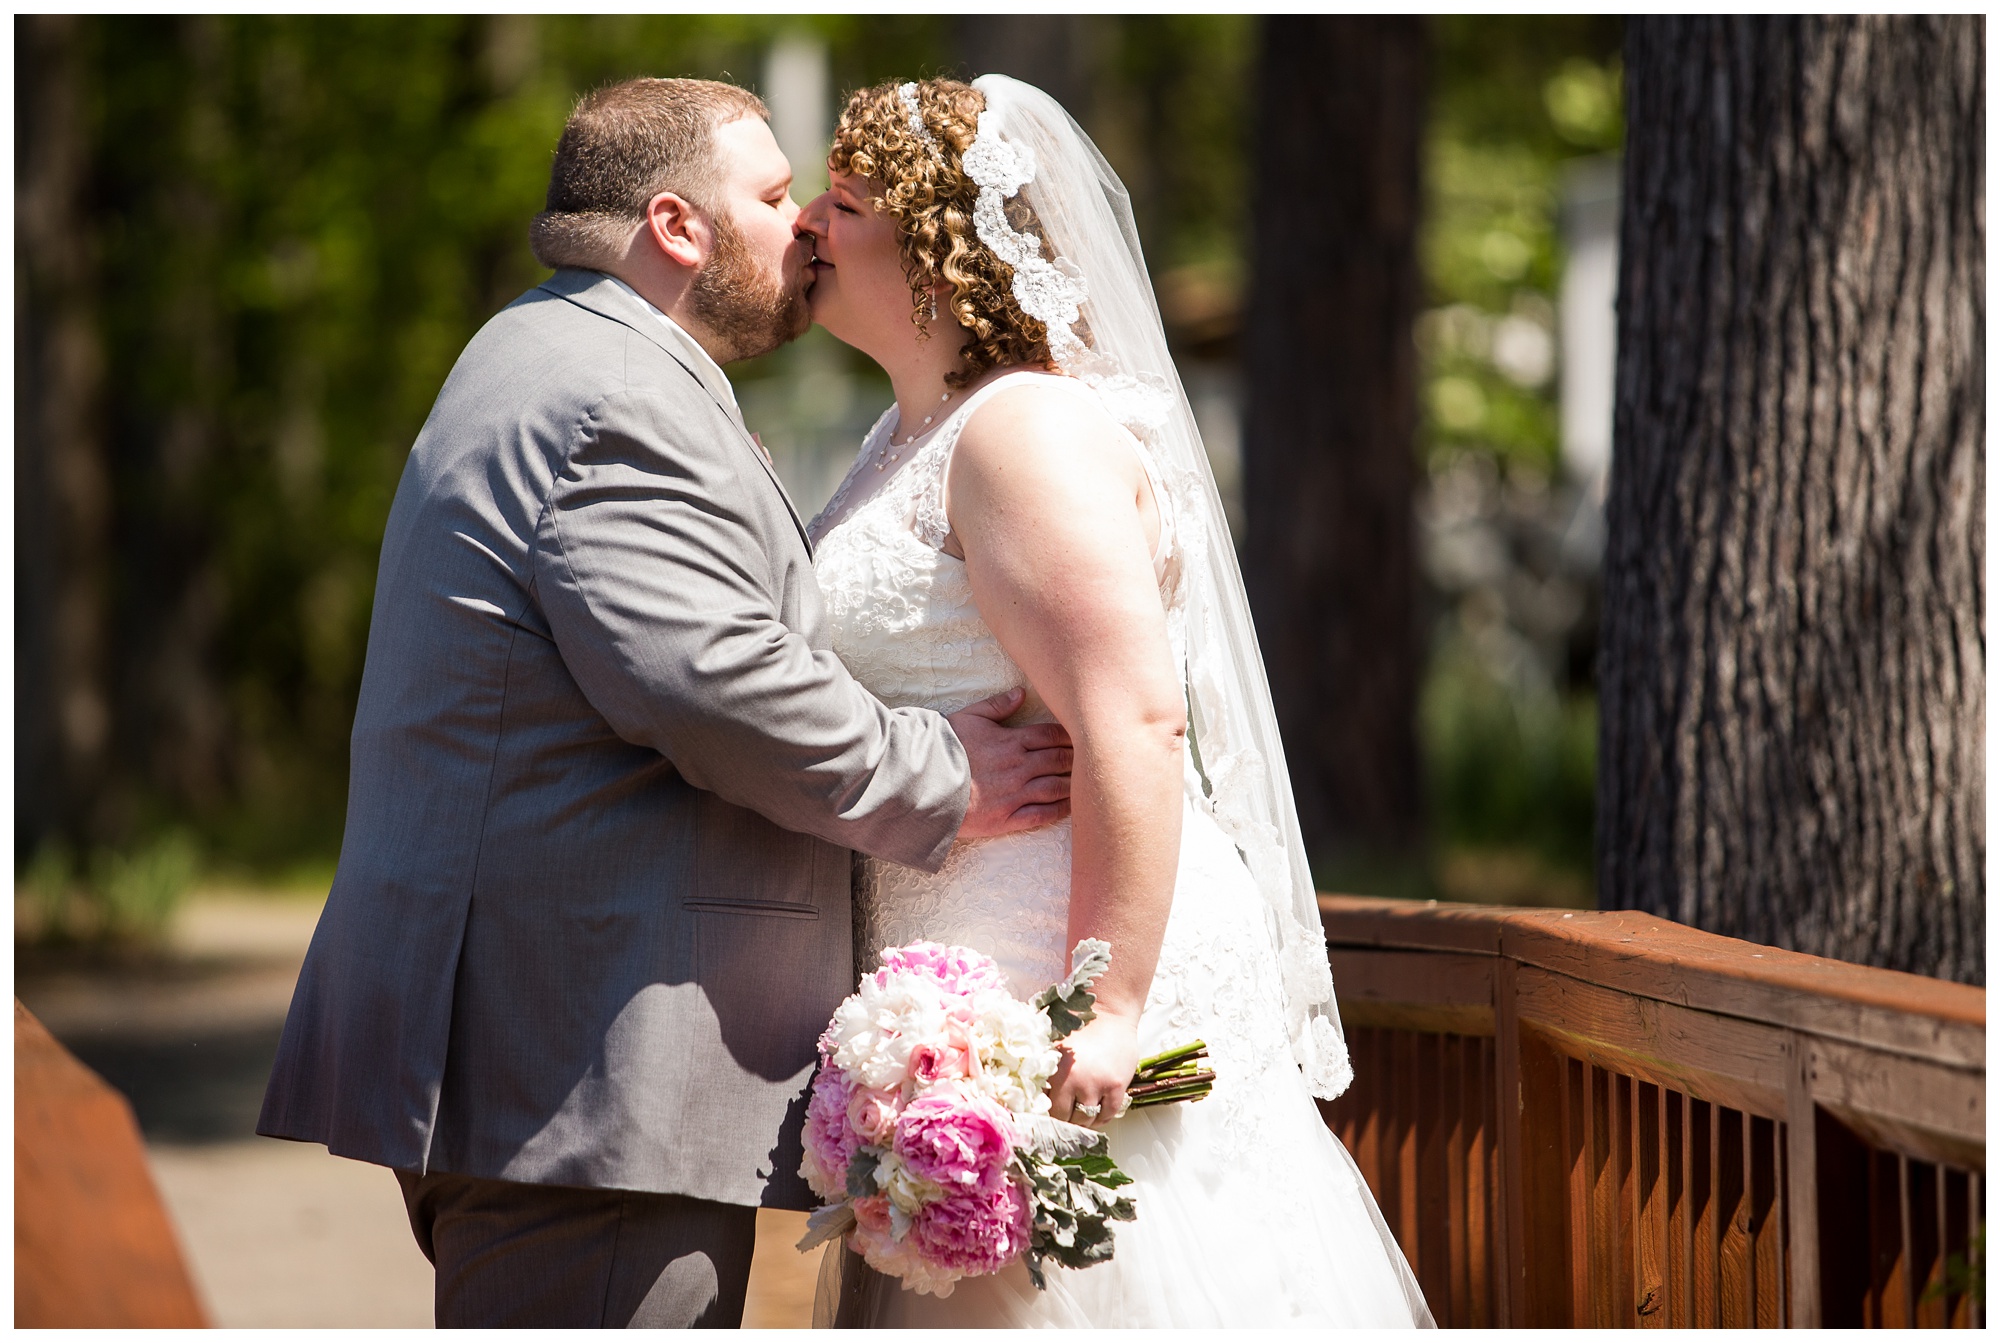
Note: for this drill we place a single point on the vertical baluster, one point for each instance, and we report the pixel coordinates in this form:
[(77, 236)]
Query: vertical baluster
[(1649, 1270), (1927, 1244), (1611, 1306), (1481, 1174), (1975, 1226), (1732, 1219), (1908, 1314), (1780, 1209), (1880, 1262), (1750, 1219), (1767, 1271), (1368, 1116), (1457, 1194), (1406, 1149), (1701, 1207), (1718, 1213), (1576, 1159), (1674, 1174), (1433, 1212), (1943, 1308), (1614, 1304)]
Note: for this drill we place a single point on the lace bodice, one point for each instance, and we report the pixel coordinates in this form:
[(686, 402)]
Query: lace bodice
[(901, 609), (902, 618)]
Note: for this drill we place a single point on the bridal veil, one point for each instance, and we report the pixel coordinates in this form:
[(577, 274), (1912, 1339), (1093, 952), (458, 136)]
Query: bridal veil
[(1117, 344)]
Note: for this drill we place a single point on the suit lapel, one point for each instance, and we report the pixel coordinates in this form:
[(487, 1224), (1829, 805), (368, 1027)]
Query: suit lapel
[(597, 293)]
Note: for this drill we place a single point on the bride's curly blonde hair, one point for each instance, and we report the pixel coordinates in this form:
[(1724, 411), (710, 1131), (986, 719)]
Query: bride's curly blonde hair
[(926, 191)]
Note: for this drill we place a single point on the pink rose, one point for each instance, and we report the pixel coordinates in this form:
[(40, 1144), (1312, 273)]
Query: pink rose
[(830, 1141), (871, 1113), (872, 1213), (930, 1064), (974, 1231), (956, 1138)]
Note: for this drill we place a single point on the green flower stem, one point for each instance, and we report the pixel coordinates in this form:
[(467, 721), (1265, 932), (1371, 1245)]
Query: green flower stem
[(1173, 1056), (1202, 1081), (1188, 1093)]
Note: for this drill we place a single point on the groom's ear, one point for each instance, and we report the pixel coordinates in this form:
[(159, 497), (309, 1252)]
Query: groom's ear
[(683, 235)]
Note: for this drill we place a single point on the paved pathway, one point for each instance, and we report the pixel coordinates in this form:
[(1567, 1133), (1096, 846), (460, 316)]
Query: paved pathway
[(276, 1234)]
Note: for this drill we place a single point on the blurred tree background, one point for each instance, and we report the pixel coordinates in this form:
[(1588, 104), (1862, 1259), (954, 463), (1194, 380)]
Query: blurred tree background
[(248, 250)]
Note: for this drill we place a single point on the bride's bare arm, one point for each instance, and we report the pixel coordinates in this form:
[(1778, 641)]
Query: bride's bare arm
[(1052, 514)]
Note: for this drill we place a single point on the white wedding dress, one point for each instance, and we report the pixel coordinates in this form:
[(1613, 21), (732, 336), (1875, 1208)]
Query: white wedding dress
[(1250, 1213)]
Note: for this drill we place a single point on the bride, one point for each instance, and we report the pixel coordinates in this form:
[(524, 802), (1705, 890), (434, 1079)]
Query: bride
[(1036, 510)]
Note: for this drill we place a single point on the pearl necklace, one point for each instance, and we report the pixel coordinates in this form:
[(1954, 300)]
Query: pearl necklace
[(882, 454)]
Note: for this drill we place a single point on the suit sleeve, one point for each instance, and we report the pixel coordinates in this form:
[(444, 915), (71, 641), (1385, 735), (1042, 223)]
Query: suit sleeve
[(657, 587)]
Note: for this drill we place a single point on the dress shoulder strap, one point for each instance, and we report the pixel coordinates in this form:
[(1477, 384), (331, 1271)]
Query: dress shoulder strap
[(929, 470)]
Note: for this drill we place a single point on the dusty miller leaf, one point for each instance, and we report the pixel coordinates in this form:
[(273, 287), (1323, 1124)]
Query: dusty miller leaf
[(828, 1223), (1071, 1003)]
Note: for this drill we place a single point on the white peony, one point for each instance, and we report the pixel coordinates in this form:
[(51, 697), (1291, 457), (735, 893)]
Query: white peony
[(876, 1028), (1016, 1055)]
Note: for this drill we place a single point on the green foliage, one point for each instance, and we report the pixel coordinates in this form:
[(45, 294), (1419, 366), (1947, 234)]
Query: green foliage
[(1964, 1274), (1076, 1200), (1512, 100), (1506, 769), (1070, 1004), (112, 896)]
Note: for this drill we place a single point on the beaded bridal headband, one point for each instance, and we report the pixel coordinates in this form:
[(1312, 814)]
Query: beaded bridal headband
[(1051, 292)]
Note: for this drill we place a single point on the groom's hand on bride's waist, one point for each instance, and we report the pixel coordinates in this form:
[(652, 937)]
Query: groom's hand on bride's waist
[(1020, 775)]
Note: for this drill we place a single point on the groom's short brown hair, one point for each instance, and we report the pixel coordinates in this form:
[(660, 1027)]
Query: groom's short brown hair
[(624, 145)]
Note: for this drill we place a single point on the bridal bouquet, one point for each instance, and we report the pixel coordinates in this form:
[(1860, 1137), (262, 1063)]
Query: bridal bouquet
[(928, 1129)]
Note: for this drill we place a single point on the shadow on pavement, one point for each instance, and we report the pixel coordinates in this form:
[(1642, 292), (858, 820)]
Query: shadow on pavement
[(203, 1089)]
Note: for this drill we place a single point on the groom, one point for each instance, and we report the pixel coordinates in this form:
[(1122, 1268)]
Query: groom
[(592, 905)]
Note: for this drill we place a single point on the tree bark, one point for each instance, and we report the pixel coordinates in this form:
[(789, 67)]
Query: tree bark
[(1329, 456), (62, 492), (1794, 657)]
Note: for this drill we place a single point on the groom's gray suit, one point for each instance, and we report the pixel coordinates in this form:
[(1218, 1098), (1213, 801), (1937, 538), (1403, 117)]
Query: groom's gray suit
[(592, 903)]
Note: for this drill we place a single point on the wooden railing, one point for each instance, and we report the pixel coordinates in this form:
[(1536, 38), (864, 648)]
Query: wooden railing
[(1614, 1120)]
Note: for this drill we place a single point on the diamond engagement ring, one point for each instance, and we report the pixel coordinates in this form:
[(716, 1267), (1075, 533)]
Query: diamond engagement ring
[(1089, 1111)]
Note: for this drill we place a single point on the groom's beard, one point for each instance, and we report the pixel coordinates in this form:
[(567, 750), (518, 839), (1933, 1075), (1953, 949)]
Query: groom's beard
[(747, 307)]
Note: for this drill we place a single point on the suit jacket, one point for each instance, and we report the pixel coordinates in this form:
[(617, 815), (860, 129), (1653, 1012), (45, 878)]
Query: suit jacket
[(591, 911)]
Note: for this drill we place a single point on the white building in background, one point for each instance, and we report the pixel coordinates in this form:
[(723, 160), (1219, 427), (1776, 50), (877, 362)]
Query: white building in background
[(807, 401), (1588, 319), (1587, 314), (796, 90)]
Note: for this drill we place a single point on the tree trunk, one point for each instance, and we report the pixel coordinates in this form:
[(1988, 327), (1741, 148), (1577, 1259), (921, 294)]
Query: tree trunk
[(62, 494), (1794, 657), (1060, 54), (1329, 459)]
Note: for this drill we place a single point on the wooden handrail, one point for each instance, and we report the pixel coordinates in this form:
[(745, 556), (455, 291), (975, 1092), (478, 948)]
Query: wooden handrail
[(1580, 1055), (93, 1246)]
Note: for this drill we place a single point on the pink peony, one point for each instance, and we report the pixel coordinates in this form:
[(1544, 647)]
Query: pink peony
[(871, 1113), (956, 1138), (974, 1231), (830, 1141), (958, 969)]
